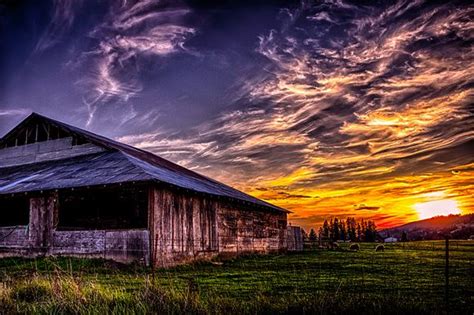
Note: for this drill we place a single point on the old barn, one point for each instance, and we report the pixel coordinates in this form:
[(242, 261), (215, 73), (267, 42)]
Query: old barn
[(66, 191)]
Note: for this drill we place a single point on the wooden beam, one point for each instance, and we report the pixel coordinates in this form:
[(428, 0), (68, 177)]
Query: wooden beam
[(36, 133)]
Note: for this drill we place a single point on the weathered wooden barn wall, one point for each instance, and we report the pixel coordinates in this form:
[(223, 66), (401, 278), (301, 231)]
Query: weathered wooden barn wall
[(41, 237), (182, 226), (35, 238), (45, 151), (244, 229), (43, 210), (119, 245), (13, 240), (185, 227)]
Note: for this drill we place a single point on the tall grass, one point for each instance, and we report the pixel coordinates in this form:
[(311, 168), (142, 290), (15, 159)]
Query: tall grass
[(64, 294), (405, 279), (61, 295)]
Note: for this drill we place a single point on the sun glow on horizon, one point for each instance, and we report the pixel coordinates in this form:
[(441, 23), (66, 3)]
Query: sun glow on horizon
[(434, 208)]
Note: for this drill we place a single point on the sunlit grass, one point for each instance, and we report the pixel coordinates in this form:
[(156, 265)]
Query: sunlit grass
[(405, 278)]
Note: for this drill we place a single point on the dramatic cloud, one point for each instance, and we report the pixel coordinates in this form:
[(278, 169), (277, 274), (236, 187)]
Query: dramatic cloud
[(132, 34), (14, 112), (328, 108), (62, 20), (357, 97)]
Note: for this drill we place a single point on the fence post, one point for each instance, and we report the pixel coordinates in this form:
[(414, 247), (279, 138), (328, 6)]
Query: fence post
[(105, 245), (446, 274), (154, 256)]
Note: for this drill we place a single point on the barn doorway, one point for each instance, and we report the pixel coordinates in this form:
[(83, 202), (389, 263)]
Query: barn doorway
[(103, 208), (14, 211)]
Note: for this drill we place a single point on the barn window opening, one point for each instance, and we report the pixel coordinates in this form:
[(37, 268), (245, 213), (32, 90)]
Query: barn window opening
[(101, 209), (14, 211), (40, 132)]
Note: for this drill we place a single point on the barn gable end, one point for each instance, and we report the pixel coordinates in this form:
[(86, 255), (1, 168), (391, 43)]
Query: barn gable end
[(36, 140), (50, 150)]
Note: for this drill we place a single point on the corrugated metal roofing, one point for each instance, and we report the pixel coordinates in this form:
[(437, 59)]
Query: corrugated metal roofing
[(120, 163), (87, 170)]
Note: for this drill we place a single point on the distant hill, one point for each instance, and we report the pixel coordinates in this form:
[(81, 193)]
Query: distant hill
[(457, 226)]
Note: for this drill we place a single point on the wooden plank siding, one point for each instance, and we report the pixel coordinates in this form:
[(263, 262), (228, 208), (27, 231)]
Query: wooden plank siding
[(42, 238), (51, 150), (185, 227), (43, 210), (182, 227)]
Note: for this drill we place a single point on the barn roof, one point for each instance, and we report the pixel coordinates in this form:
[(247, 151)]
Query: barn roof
[(118, 163)]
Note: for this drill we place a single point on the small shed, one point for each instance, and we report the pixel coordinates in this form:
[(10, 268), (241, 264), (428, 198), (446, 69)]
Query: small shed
[(67, 191), (294, 238)]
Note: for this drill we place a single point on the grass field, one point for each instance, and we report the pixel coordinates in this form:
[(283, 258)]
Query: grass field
[(406, 278)]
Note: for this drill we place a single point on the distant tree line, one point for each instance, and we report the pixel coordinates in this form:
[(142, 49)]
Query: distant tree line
[(344, 230)]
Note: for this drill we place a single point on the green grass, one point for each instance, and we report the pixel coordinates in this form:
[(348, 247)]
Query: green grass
[(406, 278)]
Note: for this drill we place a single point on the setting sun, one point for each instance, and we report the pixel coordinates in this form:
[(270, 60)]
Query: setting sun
[(438, 207)]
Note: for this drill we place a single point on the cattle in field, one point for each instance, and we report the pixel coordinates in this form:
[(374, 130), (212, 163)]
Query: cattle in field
[(354, 247), (379, 248)]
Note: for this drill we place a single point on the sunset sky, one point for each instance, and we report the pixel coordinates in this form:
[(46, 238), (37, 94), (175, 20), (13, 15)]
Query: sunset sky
[(326, 108)]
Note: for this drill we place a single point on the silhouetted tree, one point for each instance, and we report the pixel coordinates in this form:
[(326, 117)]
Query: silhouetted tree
[(312, 236), (325, 230), (359, 233), (404, 237), (331, 229), (304, 235), (370, 232), (343, 231), (335, 230), (351, 229)]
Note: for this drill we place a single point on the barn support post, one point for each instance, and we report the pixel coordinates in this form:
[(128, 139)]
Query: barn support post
[(34, 224), (43, 211), (151, 228)]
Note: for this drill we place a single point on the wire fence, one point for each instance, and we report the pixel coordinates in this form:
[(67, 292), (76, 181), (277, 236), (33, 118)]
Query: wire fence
[(442, 271)]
